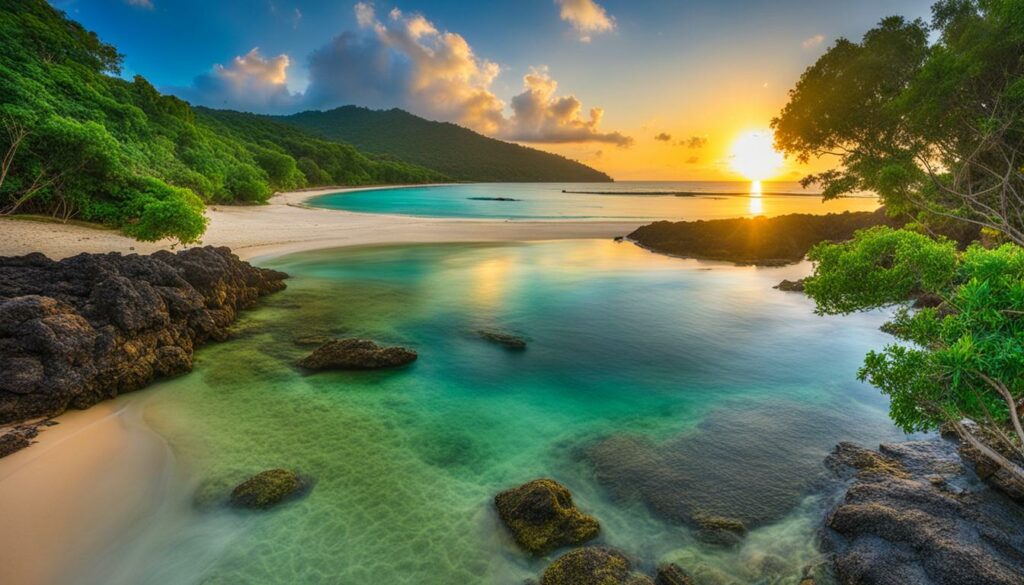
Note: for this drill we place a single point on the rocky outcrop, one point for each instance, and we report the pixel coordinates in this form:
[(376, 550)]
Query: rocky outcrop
[(790, 285), (356, 354), (719, 530), (80, 330), (542, 516), (915, 515), (501, 338), (267, 489), (592, 565)]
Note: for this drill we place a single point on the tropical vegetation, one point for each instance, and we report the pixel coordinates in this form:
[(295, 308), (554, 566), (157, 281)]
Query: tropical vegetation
[(936, 128)]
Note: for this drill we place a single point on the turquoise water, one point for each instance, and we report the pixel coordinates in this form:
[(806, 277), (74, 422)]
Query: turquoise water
[(557, 201), (652, 386)]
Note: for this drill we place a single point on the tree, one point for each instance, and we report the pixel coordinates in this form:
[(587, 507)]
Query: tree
[(934, 129), (960, 360)]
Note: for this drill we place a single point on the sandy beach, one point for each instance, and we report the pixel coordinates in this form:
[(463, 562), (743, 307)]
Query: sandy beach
[(286, 225), (102, 467)]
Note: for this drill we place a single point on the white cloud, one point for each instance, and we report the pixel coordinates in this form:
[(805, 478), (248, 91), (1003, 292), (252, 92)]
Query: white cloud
[(812, 42), (586, 16), (147, 4), (249, 82), (405, 61), (296, 18), (538, 115)]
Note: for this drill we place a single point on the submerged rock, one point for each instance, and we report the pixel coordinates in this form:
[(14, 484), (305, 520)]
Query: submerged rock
[(507, 339), (356, 354), (672, 574), (266, 489), (592, 565), (915, 515), (84, 329), (719, 530), (542, 517)]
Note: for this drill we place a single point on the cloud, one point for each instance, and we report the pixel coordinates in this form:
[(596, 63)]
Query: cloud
[(147, 4), (663, 137), (296, 18), (694, 142), (406, 61), (586, 16), (812, 42), (693, 160), (250, 82)]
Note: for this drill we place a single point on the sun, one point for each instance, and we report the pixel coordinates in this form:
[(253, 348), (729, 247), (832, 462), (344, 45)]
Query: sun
[(754, 156)]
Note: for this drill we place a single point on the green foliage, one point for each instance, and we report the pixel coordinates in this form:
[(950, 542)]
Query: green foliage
[(935, 129), (447, 148), (100, 148), (952, 358)]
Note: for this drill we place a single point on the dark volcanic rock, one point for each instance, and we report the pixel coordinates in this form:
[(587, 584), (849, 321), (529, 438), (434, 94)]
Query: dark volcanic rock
[(87, 328), (915, 515), (507, 339), (542, 517), (267, 489), (356, 354), (17, 438), (592, 565)]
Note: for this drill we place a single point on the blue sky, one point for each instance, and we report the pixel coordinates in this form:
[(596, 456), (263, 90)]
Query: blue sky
[(534, 71)]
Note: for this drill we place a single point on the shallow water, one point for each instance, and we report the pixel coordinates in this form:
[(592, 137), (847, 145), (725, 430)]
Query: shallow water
[(718, 200), (644, 374)]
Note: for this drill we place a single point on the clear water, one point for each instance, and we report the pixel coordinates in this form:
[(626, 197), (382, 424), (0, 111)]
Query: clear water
[(548, 201), (642, 370)]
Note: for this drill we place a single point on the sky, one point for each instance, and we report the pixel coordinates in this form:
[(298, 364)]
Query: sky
[(640, 89)]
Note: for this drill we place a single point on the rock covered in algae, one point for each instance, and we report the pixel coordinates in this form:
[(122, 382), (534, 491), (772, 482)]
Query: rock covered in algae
[(267, 489), (542, 516), (719, 530), (356, 354), (592, 565), (672, 574)]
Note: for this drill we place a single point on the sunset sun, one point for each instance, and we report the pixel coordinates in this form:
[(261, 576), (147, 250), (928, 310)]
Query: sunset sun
[(754, 156)]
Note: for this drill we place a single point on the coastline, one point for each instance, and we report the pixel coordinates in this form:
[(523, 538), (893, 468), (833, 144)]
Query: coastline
[(286, 225), (100, 466)]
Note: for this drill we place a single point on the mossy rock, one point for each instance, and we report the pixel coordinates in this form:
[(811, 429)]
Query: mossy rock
[(672, 574), (592, 565), (719, 530), (267, 489), (542, 517)]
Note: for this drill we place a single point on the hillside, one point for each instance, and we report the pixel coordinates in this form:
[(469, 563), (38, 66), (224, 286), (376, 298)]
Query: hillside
[(447, 148), (78, 141)]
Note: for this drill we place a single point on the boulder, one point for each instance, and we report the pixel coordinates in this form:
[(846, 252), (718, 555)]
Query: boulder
[(542, 517), (672, 574), (913, 514), (266, 489), (356, 354), (506, 339), (592, 565)]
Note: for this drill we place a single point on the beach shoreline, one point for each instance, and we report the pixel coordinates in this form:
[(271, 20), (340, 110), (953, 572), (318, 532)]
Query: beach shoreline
[(286, 224)]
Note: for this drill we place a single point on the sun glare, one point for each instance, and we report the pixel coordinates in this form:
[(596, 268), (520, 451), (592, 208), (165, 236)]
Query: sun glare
[(754, 156)]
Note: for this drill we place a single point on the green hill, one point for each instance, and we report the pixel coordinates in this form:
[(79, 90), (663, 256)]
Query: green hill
[(447, 148), (77, 141)]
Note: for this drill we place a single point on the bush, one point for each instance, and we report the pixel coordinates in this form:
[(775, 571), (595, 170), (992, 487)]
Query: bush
[(159, 211)]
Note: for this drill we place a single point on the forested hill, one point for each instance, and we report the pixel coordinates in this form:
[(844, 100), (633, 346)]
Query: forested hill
[(78, 141), (447, 148)]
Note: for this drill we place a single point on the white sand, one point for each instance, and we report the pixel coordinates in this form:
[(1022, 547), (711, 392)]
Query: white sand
[(285, 225), (99, 472)]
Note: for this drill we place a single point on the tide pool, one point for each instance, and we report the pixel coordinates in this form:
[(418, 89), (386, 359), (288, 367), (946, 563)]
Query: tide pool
[(625, 201), (644, 376)]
